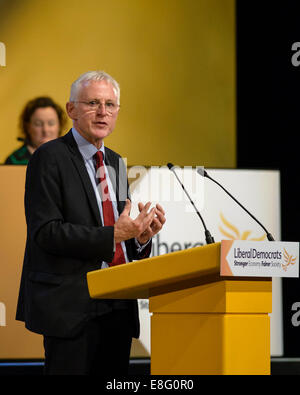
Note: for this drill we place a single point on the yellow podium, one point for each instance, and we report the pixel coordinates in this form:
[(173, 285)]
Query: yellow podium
[(201, 323)]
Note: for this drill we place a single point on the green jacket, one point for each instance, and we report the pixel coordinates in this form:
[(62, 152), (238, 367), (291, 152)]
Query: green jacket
[(19, 157)]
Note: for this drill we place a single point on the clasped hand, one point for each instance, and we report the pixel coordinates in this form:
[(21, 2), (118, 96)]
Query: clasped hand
[(145, 226)]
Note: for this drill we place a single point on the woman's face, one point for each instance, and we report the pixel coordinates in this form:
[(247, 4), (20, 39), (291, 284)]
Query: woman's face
[(43, 126)]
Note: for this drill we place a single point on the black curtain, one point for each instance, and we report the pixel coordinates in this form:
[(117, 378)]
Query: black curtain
[(268, 118)]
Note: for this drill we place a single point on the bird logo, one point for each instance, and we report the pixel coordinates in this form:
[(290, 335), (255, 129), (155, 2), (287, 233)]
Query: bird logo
[(289, 259), (233, 233)]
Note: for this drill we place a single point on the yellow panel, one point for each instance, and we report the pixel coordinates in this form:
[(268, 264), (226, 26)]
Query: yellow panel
[(210, 344), (252, 295), (186, 344), (221, 296), (246, 344), (15, 340), (174, 59)]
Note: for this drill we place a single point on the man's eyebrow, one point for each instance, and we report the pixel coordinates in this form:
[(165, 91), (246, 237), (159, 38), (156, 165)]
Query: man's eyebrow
[(95, 99)]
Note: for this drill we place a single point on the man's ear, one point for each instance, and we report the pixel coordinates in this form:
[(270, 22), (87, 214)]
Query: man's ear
[(71, 110)]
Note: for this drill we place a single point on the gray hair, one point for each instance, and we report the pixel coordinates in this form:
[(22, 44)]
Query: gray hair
[(93, 76)]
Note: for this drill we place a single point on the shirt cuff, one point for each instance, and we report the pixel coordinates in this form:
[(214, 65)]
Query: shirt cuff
[(139, 246)]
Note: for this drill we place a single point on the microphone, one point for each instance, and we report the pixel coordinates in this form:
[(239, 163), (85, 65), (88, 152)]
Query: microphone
[(204, 173), (208, 237)]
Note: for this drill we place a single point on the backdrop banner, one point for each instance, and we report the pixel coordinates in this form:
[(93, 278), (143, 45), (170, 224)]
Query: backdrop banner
[(257, 190)]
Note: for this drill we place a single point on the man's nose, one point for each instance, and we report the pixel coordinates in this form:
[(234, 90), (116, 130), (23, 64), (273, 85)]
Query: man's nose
[(101, 109)]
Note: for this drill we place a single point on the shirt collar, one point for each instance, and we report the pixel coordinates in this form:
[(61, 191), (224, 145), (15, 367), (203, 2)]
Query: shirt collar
[(86, 149)]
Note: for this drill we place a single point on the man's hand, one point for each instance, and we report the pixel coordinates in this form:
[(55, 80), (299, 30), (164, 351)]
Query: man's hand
[(126, 228), (155, 226)]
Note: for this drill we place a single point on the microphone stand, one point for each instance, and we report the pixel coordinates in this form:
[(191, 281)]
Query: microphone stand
[(208, 237), (204, 173)]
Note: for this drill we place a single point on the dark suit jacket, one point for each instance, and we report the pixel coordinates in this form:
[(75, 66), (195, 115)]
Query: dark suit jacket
[(65, 240)]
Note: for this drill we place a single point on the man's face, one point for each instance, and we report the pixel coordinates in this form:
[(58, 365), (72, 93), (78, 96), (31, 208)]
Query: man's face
[(94, 123)]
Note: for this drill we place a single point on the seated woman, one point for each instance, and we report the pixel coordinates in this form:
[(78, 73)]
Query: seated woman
[(41, 120)]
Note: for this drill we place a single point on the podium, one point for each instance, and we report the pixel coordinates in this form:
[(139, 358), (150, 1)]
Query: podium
[(201, 323)]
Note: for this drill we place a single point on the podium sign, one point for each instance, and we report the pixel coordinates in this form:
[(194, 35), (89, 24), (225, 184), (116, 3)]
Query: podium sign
[(259, 259)]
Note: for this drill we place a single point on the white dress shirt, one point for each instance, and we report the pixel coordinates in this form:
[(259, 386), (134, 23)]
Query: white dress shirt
[(87, 151)]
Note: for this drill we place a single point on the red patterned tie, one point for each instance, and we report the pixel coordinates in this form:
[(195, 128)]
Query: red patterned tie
[(108, 213)]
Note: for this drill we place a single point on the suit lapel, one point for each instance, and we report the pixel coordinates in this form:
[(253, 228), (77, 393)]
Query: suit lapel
[(80, 166)]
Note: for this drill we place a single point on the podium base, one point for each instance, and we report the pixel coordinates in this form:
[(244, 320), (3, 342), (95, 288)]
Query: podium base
[(217, 328)]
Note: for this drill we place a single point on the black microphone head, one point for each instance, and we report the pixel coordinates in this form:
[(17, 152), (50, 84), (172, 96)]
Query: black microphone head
[(202, 171), (170, 166)]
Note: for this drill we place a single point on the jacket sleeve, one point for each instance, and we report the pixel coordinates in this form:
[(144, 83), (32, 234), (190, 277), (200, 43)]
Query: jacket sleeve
[(44, 208)]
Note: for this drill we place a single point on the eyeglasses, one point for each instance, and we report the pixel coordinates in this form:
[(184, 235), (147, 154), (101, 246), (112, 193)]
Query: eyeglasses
[(110, 106)]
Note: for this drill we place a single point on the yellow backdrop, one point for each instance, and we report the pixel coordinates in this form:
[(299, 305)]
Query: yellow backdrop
[(174, 60)]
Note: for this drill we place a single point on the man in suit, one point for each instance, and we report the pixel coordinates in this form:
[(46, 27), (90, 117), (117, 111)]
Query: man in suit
[(77, 212)]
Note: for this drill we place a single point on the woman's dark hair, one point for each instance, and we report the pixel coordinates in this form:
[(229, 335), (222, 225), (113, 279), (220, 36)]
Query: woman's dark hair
[(40, 102)]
